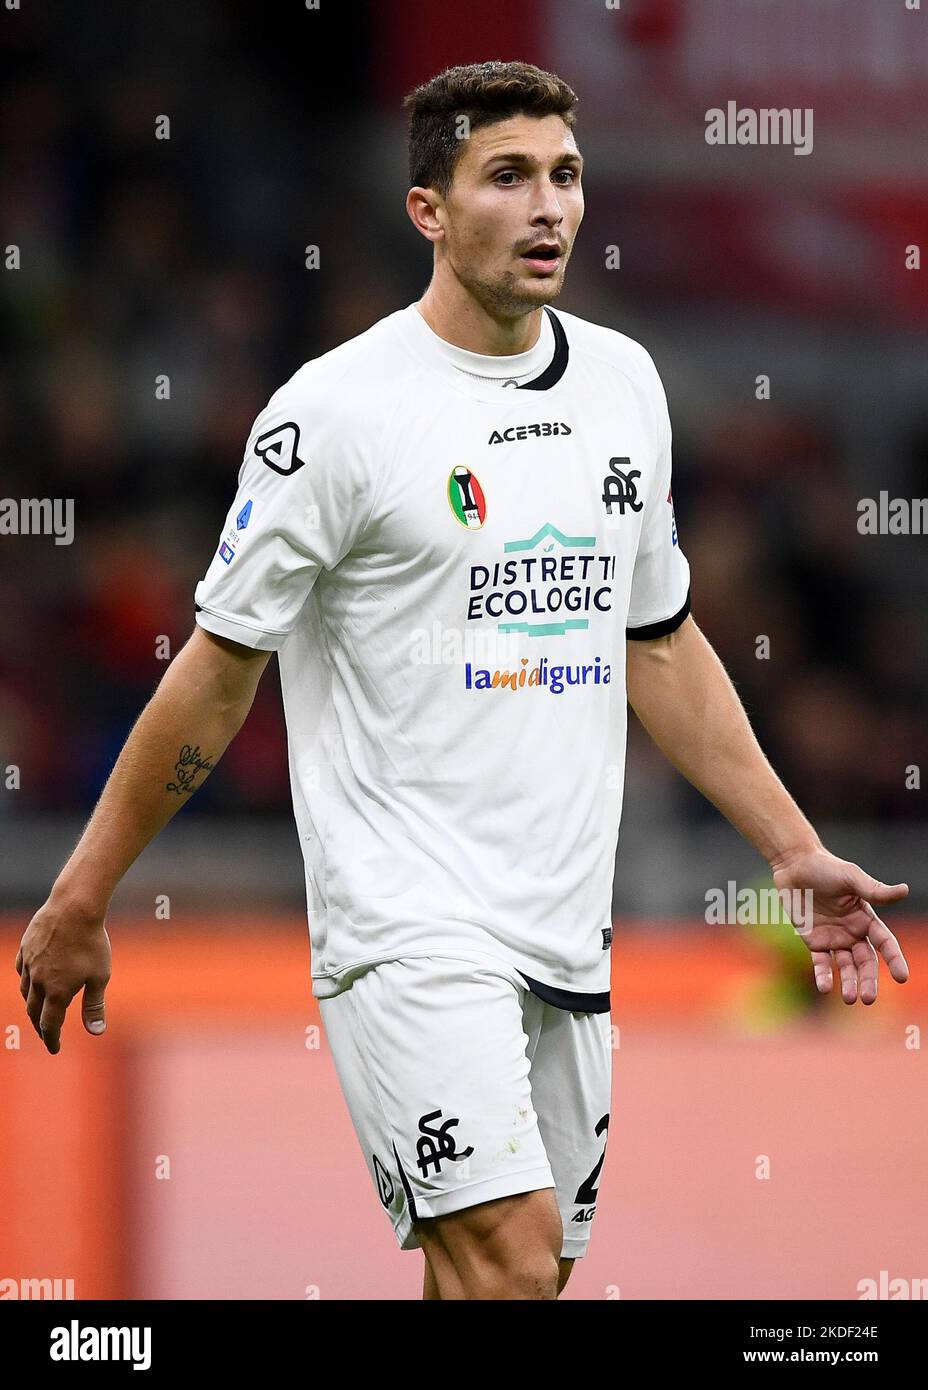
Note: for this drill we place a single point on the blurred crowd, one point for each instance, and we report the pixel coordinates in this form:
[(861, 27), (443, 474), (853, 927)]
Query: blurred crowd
[(827, 651), (183, 258)]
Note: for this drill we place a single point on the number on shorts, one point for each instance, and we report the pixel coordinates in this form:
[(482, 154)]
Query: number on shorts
[(586, 1192)]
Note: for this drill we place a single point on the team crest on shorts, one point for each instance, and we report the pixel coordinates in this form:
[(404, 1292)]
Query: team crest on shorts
[(466, 497)]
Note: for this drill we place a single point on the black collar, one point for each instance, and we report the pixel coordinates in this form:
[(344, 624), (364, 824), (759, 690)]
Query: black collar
[(558, 364)]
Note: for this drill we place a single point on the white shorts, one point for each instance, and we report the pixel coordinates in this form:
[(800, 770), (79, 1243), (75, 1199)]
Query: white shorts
[(464, 1086)]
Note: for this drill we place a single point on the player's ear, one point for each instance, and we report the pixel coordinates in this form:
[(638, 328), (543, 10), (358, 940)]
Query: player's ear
[(422, 205)]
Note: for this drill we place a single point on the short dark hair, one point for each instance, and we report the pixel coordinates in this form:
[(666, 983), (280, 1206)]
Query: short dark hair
[(485, 93)]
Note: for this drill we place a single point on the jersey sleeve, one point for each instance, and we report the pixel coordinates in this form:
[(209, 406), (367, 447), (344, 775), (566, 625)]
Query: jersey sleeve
[(303, 498), (660, 592)]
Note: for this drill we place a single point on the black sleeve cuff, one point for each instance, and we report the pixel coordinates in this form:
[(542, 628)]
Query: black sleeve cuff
[(661, 629)]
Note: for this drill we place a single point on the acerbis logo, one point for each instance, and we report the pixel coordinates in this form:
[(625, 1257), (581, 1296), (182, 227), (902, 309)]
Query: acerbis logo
[(278, 448), (541, 431), (385, 1188)]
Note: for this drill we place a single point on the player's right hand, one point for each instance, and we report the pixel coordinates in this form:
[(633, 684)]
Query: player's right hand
[(63, 951)]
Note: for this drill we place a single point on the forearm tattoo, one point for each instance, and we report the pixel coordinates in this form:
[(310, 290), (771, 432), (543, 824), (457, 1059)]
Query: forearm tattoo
[(186, 768)]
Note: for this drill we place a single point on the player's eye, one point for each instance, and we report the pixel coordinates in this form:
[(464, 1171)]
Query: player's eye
[(506, 173)]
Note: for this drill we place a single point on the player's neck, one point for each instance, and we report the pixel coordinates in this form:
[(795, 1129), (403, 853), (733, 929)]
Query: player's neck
[(461, 320)]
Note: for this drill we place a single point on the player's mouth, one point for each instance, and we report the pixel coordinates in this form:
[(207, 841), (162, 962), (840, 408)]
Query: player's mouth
[(545, 257)]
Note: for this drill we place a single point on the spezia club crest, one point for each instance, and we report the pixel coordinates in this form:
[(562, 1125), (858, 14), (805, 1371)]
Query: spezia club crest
[(466, 497)]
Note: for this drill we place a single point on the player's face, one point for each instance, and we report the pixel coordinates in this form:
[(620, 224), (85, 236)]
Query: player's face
[(517, 184)]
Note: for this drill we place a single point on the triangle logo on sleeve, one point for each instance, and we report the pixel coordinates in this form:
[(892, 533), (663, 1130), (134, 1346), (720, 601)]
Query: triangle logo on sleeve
[(278, 448)]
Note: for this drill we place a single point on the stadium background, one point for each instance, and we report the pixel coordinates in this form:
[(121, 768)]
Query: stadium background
[(186, 257)]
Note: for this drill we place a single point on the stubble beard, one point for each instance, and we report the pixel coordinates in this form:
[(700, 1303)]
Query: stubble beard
[(509, 294)]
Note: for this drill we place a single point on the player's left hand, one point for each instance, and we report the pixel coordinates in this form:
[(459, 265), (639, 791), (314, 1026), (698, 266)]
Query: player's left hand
[(842, 926)]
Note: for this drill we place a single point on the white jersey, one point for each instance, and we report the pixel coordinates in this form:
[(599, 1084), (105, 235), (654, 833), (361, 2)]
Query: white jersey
[(448, 567)]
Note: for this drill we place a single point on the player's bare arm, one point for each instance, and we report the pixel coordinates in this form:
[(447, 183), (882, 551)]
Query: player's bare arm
[(196, 711), (683, 696)]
